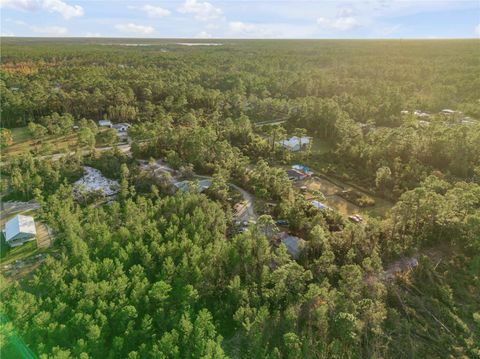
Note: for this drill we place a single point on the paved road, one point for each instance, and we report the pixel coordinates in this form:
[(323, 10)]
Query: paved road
[(274, 122)]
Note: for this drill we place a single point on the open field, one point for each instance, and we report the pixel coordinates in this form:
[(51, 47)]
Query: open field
[(23, 142), (343, 206)]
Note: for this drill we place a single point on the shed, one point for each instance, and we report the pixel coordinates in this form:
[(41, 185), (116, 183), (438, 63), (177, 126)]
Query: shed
[(185, 186), (19, 229)]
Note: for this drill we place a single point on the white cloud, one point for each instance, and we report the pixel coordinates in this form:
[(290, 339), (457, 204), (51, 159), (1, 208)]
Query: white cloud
[(135, 29), (92, 34), (240, 27), (49, 30), (59, 6), (212, 26), (203, 35), (477, 30), (340, 23), (203, 11), (152, 11), (7, 34)]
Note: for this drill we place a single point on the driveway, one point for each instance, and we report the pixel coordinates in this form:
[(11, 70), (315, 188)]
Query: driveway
[(249, 214)]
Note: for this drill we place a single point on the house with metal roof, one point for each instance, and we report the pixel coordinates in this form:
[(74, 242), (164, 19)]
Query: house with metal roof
[(294, 175), (105, 123), (121, 127), (295, 143), (19, 229), (321, 206), (186, 186)]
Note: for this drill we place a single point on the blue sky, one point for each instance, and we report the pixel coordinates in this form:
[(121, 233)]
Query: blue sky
[(242, 18)]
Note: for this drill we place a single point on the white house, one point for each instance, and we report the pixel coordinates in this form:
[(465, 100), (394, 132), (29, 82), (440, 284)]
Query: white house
[(447, 111), (19, 229), (295, 143), (105, 123), (419, 113)]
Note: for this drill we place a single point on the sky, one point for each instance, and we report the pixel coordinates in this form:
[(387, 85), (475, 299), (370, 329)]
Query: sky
[(304, 19)]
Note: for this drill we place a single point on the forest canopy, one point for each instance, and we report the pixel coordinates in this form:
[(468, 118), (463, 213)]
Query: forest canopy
[(162, 271)]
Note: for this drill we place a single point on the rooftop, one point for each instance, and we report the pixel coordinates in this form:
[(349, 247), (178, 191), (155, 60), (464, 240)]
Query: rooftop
[(19, 224)]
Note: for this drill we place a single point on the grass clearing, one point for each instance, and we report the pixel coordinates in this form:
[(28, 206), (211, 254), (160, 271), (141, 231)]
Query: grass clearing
[(341, 205), (23, 142)]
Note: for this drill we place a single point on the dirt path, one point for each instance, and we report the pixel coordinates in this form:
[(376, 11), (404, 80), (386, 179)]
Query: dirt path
[(8, 208), (123, 148)]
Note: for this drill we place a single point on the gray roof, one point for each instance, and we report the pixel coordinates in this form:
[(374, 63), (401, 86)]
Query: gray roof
[(19, 224)]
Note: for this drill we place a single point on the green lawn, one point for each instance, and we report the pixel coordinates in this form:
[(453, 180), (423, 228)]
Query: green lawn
[(20, 134), (9, 255), (320, 146), (23, 142)]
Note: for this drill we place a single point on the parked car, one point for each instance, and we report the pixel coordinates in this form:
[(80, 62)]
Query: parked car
[(356, 218), (282, 222)]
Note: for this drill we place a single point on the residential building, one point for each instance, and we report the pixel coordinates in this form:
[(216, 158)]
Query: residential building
[(121, 127), (19, 229), (105, 123), (320, 205), (295, 143), (294, 175)]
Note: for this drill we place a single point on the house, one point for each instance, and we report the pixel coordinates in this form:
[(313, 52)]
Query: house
[(468, 122), (448, 112), (105, 123), (321, 206), (303, 169), (293, 244), (419, 113), (202, 185), (295, 143), (121, 127), (294, 175), (19, 229)]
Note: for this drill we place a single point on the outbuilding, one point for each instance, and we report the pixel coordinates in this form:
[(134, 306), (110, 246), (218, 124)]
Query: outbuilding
[(19, 229)]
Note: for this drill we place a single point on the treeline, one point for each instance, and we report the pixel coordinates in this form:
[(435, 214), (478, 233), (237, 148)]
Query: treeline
[(330, 89)]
